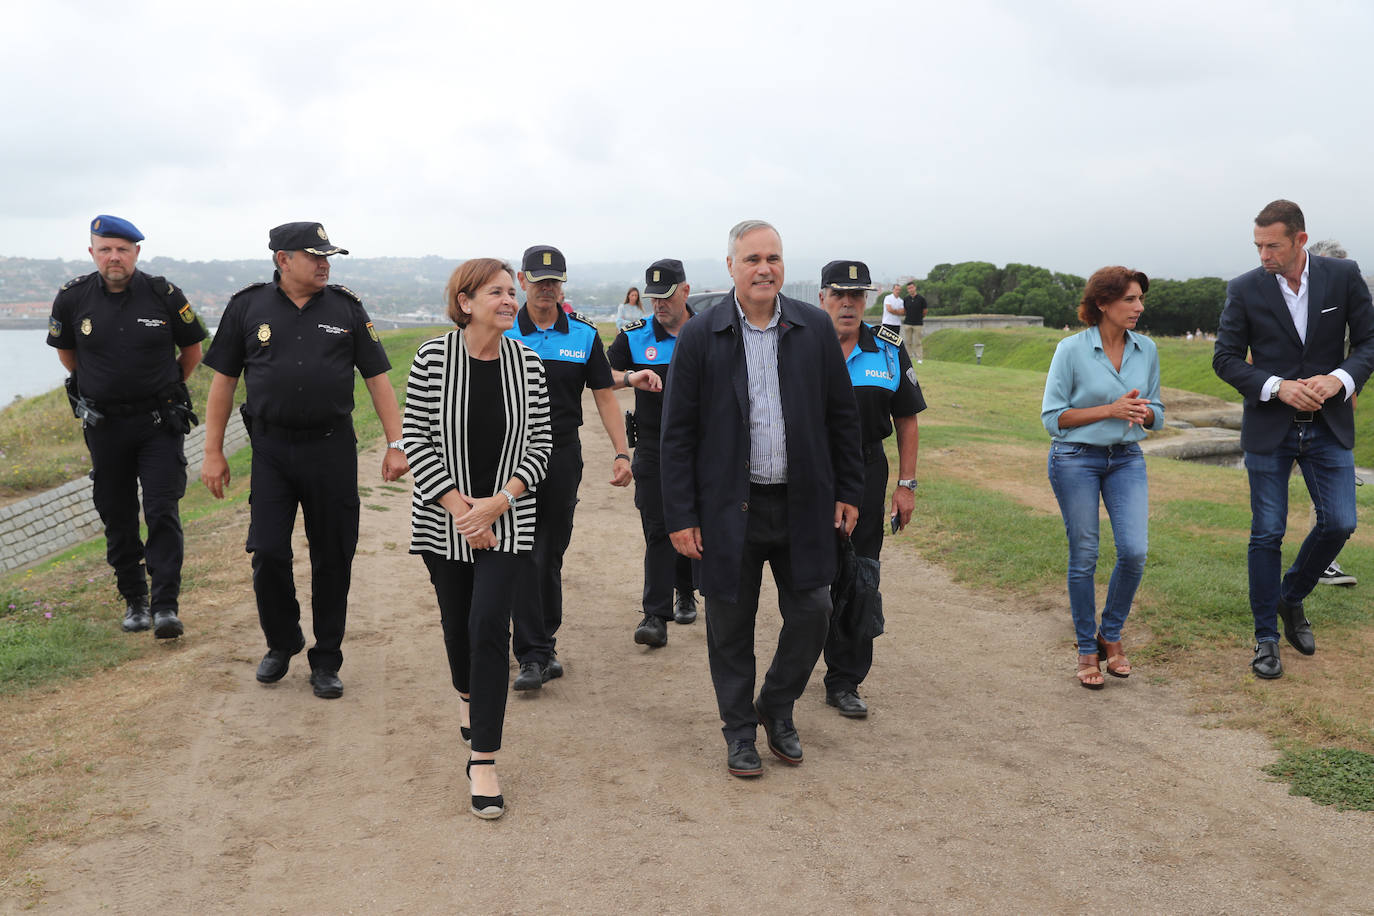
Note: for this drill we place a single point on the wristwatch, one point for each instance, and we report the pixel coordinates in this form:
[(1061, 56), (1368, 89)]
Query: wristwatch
[(396, 445), (908, 482), (509, 498), (1274, 388)]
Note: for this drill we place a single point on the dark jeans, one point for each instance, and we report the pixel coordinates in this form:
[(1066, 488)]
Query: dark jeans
[(538, 611), (320, 476), (665, 570), (475, 601), (848, 663), (1328, 468), (730, 624), (126, 452)]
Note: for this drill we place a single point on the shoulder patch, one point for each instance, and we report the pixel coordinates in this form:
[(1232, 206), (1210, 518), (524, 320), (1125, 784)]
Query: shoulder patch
[(75, 280), (885, 332), (248, 288), (634, 325), (583, 318), (347, 292)]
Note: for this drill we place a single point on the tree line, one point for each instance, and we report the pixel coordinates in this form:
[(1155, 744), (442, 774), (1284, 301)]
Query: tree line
[(1172, 307)]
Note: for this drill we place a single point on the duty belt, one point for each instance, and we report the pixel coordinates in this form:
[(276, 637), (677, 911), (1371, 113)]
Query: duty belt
[(127, 408), (259, 427)]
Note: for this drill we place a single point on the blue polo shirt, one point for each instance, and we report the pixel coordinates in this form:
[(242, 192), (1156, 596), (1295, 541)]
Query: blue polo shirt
[(884, 383), (574, 359), (644, 344)]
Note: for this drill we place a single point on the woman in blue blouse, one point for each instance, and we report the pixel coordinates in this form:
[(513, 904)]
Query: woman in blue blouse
[(1101, 395)]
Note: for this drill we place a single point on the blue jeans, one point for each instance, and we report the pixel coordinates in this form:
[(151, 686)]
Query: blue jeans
[(1082, 477), (1328, 468)]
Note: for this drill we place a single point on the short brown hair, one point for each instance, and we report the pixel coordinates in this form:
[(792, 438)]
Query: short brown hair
[(1106, 286), (467, 279), (1282, 211)]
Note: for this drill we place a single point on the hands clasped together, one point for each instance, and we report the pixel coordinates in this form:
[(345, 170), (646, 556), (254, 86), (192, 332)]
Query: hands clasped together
[(1309, 393)]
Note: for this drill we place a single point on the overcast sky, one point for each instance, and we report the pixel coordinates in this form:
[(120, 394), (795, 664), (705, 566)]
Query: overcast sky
[(1065, 134)]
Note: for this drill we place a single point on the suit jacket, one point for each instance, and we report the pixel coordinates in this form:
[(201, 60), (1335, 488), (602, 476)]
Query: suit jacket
[(1256, 319), (704, 443)]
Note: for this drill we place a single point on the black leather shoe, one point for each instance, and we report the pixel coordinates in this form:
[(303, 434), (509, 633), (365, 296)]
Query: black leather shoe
[(553, 668), (1296, 629), (652, 632), (531, 677), (136, 616), (782, 736), (326, 683), (686, 609), (166, 625), (743, 759), (848, 703), (1266, 663), (273, 666)]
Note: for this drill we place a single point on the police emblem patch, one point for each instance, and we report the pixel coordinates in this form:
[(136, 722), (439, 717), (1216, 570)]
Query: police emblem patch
[(86, 326), (95, 225), (651, 352), (186, 314), (319, 230), (54, 327), (911, 375), (372, 332), (853, 272), (264, 333), (655, 276), (548, 259)]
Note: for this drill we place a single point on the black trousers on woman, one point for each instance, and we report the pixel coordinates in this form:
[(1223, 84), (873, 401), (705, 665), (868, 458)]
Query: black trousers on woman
[(474, 608)]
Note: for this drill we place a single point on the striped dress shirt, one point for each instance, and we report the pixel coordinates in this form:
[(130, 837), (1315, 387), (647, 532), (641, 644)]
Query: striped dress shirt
[(434, 436), (767, 430)]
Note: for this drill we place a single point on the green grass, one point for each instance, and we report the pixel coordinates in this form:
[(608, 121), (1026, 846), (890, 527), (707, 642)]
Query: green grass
[(1332, 776)]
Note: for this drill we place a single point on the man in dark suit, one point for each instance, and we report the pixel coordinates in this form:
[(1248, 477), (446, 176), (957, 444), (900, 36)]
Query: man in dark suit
[(760, 461), (1291, 315)]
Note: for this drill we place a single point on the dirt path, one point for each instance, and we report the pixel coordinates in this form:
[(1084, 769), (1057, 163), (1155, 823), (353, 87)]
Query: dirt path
[(984, 780)]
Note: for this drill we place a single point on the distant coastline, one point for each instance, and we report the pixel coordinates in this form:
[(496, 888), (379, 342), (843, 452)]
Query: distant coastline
[(22, 324)]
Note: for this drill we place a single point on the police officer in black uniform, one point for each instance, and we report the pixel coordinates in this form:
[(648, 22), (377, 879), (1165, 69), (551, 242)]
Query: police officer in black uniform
[(574, 359), (130, 342), (889, 396), (640, 355), (297, 340)]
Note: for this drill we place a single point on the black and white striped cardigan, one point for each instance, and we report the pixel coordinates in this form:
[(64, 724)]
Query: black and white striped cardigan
[(434, 437)]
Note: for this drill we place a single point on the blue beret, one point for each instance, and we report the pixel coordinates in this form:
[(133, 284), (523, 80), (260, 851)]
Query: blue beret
[(112, 227)]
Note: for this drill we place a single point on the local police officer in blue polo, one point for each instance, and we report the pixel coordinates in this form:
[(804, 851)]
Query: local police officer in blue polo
[(889, 396), (574, 359), (640, 355), (297, 341), (130, 342)]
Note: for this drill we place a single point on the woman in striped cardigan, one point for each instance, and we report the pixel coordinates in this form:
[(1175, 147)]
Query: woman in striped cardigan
[(477, 437)]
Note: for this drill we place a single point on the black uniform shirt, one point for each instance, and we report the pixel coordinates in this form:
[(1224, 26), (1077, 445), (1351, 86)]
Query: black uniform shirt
[(884, 383), (573, 359), (125, 342), (297, 362), (644, 344)]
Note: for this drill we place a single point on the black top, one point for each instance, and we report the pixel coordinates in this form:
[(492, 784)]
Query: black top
[(915, 309), (297, 362), (125, 342), (485, 425), (573, 359)]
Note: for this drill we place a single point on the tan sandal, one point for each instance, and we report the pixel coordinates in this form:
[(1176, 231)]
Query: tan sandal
[(1089, 674), (1117, 664)]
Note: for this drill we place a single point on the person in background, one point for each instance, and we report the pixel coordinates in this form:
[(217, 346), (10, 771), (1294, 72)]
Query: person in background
[(631, 310), (477, 436), (1101, 394), (893, 309), (130, 341), (913, 322)]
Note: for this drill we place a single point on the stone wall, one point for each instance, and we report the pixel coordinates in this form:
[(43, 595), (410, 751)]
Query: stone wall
[(42, 525), (940, 322)]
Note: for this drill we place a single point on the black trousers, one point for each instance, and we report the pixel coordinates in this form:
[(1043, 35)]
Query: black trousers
[(848, 663), (321, 477), (475, 601), (126, 452), (665, 570), (730, 624), (538, 609)]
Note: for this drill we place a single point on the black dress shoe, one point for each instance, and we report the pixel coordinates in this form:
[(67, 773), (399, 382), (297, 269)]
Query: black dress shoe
[(848, 703), (273, 666), (652, 632), (686, 609), (782, 736), (552, 668), (1266, 663), (326, 683), (1296, 629), (166, 625), (136, 616), (531, 677), (743, 759)]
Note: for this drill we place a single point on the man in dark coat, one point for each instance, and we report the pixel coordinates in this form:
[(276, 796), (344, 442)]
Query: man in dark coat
[(1292, 314), (761, 461)]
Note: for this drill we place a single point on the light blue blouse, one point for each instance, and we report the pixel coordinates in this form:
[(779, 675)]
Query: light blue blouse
[(1081, 375)]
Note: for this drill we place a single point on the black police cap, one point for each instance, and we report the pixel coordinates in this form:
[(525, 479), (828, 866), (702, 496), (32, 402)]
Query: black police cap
[(662, 277), (846, 275), (544, 262), (309, 237)]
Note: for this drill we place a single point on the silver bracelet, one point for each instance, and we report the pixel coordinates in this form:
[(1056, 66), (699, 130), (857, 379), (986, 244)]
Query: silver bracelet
[(510, 499)]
